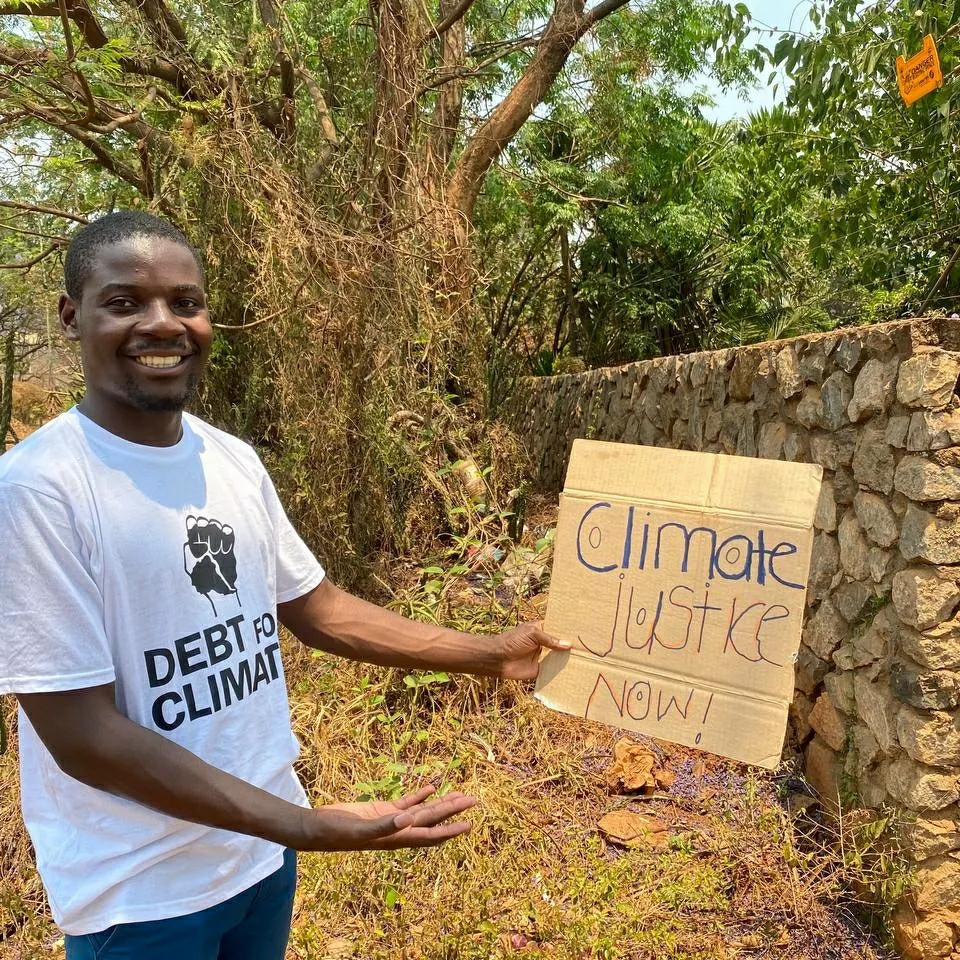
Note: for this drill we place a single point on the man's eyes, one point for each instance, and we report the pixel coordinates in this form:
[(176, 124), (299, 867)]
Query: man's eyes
[(126, 304)]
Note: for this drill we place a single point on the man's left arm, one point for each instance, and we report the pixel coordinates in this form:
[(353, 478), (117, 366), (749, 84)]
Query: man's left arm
[(330, 619)]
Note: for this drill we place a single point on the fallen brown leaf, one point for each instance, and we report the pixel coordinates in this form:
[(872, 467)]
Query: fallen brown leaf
[(630, 829), (632, 769)]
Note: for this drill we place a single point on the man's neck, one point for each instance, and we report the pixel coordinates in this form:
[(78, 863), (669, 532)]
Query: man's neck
[(161, 428)]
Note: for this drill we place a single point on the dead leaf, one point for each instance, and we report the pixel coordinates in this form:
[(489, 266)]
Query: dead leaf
[(665, 778), (338, 948), (632, 769), (630, 829)]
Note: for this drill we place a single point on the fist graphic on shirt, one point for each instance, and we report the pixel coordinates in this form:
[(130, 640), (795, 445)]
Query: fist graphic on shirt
[(208, 558)]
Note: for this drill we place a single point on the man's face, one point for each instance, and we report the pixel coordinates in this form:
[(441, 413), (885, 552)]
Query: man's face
[(143, 328)]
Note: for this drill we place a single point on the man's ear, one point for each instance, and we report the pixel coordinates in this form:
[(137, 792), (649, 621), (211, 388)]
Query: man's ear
[(67, 310)]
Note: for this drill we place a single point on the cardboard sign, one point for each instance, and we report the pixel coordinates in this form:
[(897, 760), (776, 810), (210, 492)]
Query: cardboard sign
[(680, 579), (920, 74)]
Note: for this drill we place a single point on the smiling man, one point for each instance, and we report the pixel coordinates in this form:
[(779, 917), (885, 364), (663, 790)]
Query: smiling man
[(148, 563)]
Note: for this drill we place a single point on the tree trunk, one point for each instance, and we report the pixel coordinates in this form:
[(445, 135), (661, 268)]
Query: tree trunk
[(567, 25), (6, 391)]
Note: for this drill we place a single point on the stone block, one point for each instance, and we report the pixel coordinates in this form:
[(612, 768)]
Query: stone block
[(745, 368), (796, 447), (823, 767), (928, 379), (799, 714), (922, 479), (848, 352), (877, 641), (789, 381), (877, 709), (917, 937), (835, 396), (873, 460), (931, 738), (876, 518), (934, 430), (810, 408), (810, 671), (925, 689), (824, 563), (938, 886), (825, 517), (828, 723), (937, 648), (850, 599), (813, 361), (864, 748), (854, 548), (844, 486), (770, 442), (873, 389), (921, 788), (934, 537), (823, 449), (932, 836), (883, 562), (847, 444), (926, 596), (897, 430), (825, 630), (839, 685)]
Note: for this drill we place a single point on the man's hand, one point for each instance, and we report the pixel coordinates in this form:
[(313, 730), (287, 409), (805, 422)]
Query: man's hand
[(519, 650), (388, 825)]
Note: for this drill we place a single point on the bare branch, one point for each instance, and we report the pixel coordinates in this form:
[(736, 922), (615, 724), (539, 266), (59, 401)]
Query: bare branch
[(327, 126), (128, 118), (40, 208), (27, 264), (77, 11), (601, 10), (457, 13), (163, 24)]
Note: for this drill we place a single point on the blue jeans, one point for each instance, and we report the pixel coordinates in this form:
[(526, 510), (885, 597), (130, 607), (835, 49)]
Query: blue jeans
[(253, 925)]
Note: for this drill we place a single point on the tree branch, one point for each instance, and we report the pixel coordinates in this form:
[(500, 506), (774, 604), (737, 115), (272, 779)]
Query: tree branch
[(457, 13), (601, 10), (40, 208), (327, 126), (27, 264), (567, 24), (77, 11)]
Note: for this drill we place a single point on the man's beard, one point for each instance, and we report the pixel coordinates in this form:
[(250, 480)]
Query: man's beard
[(147, 403)]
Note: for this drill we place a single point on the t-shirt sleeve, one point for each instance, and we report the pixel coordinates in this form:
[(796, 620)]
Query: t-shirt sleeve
[(298, 571), (53, 637)]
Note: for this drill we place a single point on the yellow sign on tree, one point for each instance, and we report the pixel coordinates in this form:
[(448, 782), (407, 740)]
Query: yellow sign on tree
[(921, 74)]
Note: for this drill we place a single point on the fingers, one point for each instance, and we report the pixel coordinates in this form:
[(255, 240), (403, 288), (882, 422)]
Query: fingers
[(426, 836), (412, 799), (431, 814), (545, 640)]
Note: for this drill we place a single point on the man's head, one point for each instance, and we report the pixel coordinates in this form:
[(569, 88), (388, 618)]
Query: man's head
[(136, 304)]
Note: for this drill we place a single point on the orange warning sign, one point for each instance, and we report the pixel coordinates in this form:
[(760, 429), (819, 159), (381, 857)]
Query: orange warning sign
[(920, 74)]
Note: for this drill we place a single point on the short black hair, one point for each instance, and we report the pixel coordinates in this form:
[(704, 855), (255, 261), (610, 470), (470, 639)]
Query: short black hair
[(114, 228)]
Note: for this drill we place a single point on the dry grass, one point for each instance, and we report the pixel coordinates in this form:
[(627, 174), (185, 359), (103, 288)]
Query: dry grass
[(738, 879)]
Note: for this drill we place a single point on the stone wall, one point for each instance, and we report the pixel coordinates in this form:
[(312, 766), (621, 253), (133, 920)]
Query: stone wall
[(877, 706)]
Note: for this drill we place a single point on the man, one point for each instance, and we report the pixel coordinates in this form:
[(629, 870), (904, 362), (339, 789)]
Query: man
[(147, 563)]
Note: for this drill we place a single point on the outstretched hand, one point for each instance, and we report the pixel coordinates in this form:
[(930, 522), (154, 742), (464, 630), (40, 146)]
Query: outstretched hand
[(388, 825), (520, 649)]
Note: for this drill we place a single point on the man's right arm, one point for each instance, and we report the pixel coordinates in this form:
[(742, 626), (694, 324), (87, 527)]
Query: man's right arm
[(91, 741)]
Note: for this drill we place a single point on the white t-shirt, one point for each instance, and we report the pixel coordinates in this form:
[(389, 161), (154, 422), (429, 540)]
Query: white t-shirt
[(159, 568)]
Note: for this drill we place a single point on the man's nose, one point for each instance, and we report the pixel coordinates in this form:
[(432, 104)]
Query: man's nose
[(159, 320)]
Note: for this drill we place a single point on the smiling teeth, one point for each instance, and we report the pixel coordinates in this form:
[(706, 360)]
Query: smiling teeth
[(160, 363)]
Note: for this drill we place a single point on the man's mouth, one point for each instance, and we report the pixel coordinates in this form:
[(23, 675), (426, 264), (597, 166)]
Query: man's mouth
[(158, 362)]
